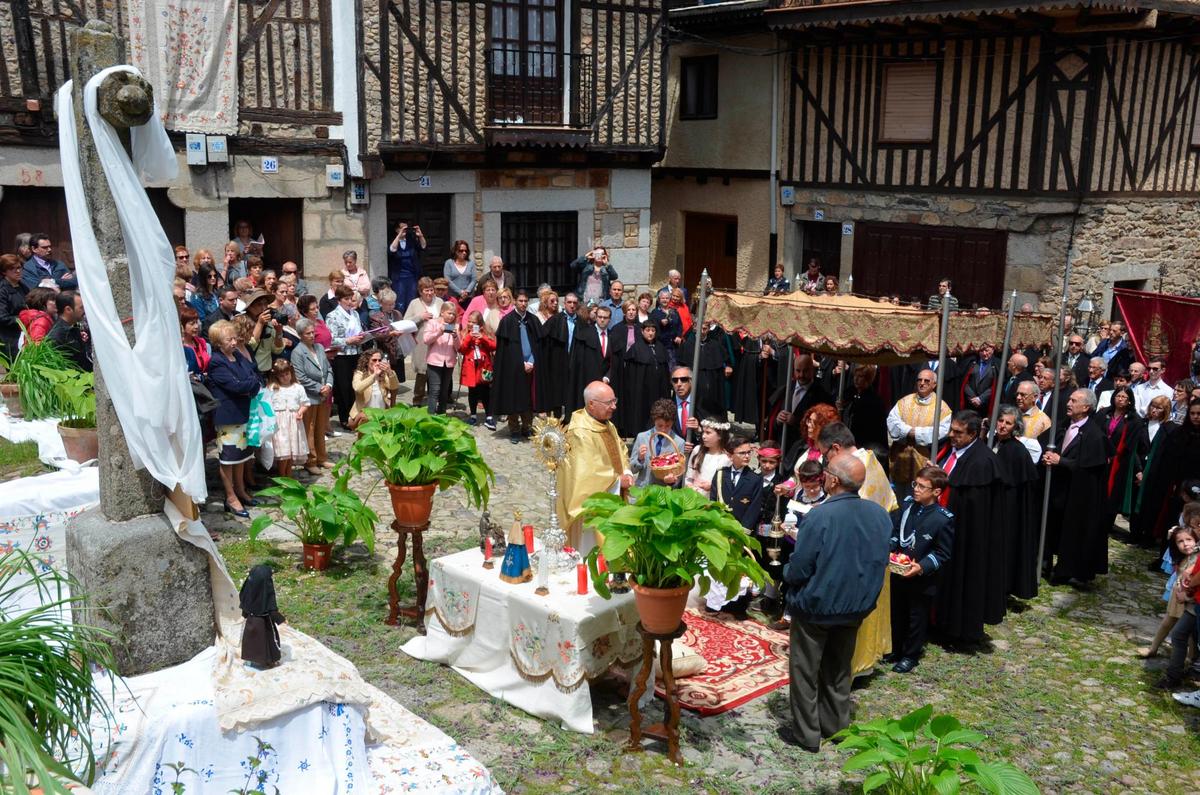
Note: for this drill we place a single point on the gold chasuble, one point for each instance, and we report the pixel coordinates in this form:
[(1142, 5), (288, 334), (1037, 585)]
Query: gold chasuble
[(905, 459), (595, 462), (874, 637), (1037, 422)]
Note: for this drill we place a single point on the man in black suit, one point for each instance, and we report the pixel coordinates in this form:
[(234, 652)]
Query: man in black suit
[(980, 382), (1018, 371), (681, 385), (739, 487), (1076, 359), (1096, 380), (806, 393)]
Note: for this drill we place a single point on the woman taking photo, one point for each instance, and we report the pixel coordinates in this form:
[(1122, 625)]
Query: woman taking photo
[(459, 271), (329, 301), (443, 340), (375, 385), (487, 304), (311, 365), (233, 381)]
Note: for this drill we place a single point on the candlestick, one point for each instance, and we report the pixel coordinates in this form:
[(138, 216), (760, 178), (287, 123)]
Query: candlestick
[(487, 553), (581, 576), (601, 563), (528, 538), (543, 575)]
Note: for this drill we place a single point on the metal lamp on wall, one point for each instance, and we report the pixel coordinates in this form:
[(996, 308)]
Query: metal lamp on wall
[(1085, 312)]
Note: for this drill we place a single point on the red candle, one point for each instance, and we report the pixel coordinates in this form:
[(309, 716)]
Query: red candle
[(528, 538), (581, 575), (487, 545), (601, 563)]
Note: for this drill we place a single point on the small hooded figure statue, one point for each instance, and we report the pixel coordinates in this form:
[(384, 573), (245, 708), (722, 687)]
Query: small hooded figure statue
[(260, 638)]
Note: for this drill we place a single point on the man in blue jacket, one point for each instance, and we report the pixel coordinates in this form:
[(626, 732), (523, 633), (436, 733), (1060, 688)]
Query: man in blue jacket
[(834, 577)]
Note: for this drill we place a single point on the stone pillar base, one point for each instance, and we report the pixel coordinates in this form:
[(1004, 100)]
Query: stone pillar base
[(146, 586)]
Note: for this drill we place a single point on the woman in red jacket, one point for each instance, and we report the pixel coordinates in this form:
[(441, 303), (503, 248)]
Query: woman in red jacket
[(477, 347), (39, 313)]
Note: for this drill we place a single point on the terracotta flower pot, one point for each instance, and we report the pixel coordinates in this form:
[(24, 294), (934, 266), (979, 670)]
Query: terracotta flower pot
[(12, 398), (318, 556), (661, 609), (82, 444), (412, 505)]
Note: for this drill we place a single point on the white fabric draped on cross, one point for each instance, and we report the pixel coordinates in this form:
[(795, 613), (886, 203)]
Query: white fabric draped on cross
[(148, 383)]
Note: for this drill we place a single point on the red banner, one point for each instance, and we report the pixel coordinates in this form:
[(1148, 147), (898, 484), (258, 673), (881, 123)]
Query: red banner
[(1161, 326)]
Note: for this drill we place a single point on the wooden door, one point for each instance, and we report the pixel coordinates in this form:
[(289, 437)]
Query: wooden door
[(910, 259), (525, 83), (280, 222), (431, 212), (823, 240), (710, 241)]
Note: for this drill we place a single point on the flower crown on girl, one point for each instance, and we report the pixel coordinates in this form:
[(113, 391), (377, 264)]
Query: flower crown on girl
[(716, 426)]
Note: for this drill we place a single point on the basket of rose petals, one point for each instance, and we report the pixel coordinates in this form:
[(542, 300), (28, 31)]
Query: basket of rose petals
[(898, 562), (665, 464)]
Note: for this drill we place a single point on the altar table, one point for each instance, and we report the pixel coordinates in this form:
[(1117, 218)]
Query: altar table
[(534, 652)]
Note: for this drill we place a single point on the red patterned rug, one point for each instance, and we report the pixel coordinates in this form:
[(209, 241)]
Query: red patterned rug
[(745, 660)]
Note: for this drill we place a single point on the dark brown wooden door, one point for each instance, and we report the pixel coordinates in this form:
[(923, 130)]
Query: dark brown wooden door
[(909, 259), (431, 212), (525, 69), (37, 210), (279, 221), (710, 241), (823, 240)]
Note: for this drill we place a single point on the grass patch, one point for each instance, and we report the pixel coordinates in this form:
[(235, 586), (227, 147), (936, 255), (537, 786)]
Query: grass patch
[(19, 460)]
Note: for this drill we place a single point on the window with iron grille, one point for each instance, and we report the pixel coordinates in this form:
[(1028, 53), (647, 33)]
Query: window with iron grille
[(539, 247), (698, 87)]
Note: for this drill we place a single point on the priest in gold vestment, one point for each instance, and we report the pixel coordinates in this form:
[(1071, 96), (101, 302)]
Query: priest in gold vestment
[(595, 460), (874, 638), (910, 431)]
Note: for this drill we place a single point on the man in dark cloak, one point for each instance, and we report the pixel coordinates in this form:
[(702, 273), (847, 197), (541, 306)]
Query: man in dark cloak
[(753, 377), (865, 413), (1076, 535), (646, 376), (585, 364), (554, 344), (514, 368), (1019, 502), (973, 590), (715, 366), (260, 638)]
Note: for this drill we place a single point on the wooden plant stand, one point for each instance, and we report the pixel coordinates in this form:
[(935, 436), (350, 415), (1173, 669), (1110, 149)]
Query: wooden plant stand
[(420, 573), (670, 724)]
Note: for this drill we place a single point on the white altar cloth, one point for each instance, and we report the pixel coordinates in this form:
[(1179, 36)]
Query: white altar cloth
[(534, 652)]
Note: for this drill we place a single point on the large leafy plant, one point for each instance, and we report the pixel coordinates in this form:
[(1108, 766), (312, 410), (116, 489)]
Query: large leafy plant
[(75, 391), (36, 370), (411, 447), (47, 693), (318, 514), (920, 754), (668, 538)]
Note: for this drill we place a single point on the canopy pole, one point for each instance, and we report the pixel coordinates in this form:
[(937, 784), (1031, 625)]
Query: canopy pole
[(845, 365), (941, 379), (783, 433), (1054, 402), (1008, 331), (699, 328)]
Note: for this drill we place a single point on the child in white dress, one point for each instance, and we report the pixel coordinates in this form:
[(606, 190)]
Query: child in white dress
[(290, 402)]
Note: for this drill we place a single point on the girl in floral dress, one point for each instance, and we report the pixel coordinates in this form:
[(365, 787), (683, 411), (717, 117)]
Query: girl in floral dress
[(290, 402)]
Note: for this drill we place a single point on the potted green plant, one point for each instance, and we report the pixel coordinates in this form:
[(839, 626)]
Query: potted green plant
[(318, 515), (416, 453), (48, 696), (666, 540), (28, 384), (75, 391)]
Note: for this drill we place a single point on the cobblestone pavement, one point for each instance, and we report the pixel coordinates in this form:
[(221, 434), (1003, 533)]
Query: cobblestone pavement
[(1059, 690)]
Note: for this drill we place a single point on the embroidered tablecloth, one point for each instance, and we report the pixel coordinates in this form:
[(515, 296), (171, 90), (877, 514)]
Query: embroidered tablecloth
[(535, 652)]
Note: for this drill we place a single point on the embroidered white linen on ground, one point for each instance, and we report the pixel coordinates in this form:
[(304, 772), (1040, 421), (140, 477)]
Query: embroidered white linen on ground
[(158, 418), (188, 51), (535, 652)]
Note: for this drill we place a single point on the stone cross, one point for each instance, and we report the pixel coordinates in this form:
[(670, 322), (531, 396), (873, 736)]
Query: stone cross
[(150, 589), (124, 101)]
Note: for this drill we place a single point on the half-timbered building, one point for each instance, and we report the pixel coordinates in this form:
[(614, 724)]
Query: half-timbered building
[(985, 141)]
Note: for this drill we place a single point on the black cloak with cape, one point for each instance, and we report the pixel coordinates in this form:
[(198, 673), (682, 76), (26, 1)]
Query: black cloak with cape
[(260, 638), (585, 364), (709, 383), (646, 379), (1124, 440), (551, 374), (1075, 528), (618, 335), (512, 387), (753, 380), (1150, 506), (1018, 512), (974, 587)]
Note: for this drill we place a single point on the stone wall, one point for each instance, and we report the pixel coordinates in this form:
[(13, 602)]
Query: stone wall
[(1116, 238)]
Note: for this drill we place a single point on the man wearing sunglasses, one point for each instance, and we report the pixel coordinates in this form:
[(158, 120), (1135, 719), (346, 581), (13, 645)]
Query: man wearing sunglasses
[(1152, 387)]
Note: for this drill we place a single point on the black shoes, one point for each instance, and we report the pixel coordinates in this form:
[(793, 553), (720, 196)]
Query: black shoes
[(788, 736), (904, 665)]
